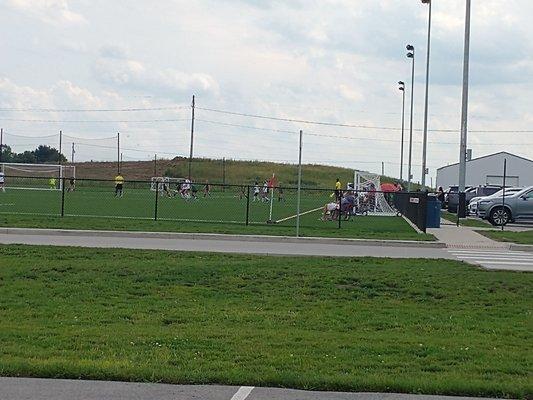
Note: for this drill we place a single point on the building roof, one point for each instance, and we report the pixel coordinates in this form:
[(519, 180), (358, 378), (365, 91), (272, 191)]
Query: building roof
[(487, 156)]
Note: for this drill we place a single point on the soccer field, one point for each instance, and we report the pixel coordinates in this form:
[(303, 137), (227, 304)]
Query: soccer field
[(141, 203), (93, 206)]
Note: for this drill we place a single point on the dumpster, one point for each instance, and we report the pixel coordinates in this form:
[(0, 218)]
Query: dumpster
[(433, 211)]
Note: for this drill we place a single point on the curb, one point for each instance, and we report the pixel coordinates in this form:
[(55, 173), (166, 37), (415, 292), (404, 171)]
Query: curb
[(215, 236), (522, 247)]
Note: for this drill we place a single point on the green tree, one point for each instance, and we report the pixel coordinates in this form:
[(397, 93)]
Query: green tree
[(47, 154)]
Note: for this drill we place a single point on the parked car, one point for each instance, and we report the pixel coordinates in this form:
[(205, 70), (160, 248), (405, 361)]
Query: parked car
[(518, 206), (471, 192), (472, 206)]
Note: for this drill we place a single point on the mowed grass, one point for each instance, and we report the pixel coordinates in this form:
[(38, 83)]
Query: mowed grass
[(471, 222), (361, 324), (525, 237), (222, 212)]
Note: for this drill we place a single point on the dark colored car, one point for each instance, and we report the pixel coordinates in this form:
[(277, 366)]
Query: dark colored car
[(471, 192)]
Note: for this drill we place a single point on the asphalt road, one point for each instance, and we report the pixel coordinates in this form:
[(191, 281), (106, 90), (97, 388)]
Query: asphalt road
[(304, 248), (60, 389)]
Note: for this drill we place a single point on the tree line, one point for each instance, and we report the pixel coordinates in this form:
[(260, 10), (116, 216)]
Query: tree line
[(41, 155)]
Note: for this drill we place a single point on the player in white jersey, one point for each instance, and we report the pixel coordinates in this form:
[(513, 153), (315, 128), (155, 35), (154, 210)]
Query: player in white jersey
[(2, 181)]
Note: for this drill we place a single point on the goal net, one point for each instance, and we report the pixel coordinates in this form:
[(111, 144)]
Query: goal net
[(161, 181), (369, 191), (37, 176)]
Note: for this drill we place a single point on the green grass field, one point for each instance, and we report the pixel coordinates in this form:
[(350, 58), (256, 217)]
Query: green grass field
[(360, 324), (223, 212), (471, 222), (525, 237)]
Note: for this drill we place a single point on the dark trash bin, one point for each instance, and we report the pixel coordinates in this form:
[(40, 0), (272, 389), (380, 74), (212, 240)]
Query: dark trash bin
[(433, 211)]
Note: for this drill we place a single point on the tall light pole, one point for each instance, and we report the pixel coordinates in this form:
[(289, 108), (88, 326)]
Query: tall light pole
[(425, 141), (411, 55), (464, 112), (402, 89), (192, 137)]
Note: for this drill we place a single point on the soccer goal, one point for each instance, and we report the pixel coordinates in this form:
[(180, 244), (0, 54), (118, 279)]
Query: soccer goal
[(161, 181), (36, 176), (370, 195)]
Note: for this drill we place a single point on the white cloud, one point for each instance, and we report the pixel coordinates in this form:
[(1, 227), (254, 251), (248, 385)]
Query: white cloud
[(115, 69), (50, 11)]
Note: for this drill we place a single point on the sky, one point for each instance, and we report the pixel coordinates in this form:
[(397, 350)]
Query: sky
[(336, 61)]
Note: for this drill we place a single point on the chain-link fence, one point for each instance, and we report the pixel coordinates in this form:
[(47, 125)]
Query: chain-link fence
[(192, 202)]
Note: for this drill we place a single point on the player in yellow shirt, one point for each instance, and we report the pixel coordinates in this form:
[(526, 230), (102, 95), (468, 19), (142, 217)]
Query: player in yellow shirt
[(338, 189), (52, 183), (119, 185)]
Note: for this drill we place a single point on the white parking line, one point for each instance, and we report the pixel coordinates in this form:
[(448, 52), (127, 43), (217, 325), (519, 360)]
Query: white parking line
[(243, 393), (510, 258), (529, 262)]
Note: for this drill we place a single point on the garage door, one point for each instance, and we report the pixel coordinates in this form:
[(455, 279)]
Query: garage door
[(498, 180)]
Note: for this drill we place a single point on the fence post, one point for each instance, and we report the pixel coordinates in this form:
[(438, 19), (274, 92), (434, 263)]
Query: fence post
[(423, 208), (340, 206), (156, 200), (62, 197), (247, 205)]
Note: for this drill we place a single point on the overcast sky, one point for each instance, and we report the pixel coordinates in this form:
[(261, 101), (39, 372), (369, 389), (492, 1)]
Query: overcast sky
[(330, 60)]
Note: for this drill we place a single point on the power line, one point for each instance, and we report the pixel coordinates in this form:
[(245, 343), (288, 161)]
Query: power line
[(92, 109), (346, 125), (91, 121), (348, 137)]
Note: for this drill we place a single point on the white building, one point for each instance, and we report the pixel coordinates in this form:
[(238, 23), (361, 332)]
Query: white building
[(488, 170)]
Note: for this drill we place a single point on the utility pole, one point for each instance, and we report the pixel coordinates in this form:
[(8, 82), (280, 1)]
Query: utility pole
[(192, 136), (411, 55), (464, 111), (59, 161), (72, 154), (155, 165), (118, 153), (1, 143), (382, 168), (224, 172), (426, 105), (299, 185)]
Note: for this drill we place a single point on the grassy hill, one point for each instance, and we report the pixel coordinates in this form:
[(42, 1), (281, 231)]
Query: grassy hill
[(217, 171)]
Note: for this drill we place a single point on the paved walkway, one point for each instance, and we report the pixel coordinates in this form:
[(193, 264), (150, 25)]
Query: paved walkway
[(462, 244), (268, 246), (467, 245), (60, 389)]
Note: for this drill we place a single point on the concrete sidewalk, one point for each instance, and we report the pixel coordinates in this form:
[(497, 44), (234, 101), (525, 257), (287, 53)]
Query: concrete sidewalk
[(62, 389), (209, 243), (464, 237)]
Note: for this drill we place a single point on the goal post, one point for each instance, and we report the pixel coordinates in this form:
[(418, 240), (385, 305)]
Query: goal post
[(36, 176)]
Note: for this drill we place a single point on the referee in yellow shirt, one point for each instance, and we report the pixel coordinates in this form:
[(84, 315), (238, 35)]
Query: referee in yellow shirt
[(119, 185), (338, 189)]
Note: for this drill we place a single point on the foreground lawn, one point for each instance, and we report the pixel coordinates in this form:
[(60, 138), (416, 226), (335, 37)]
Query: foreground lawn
[(363, 227), (472, 222), (513, 237), (416, 326)]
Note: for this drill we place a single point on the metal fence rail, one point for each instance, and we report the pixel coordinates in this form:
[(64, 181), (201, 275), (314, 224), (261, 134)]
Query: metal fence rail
[(199, 202)]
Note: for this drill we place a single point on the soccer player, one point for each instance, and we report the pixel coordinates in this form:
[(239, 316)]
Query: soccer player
[(2, 181), (72, 185), (52, 183), (264, 193), (256, 191), (207, 189), (280, 194), (119, 185), (330, 211)]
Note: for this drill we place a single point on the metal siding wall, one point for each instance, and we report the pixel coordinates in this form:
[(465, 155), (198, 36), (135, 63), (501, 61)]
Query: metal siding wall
[(477, 171)]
